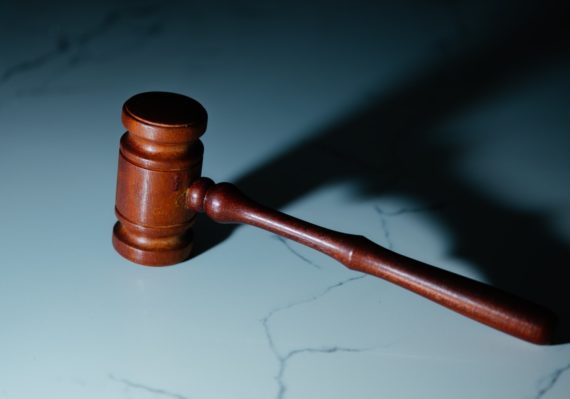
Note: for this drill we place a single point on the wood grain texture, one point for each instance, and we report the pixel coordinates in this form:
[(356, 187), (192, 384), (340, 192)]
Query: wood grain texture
[(224, 203), (160, 156)]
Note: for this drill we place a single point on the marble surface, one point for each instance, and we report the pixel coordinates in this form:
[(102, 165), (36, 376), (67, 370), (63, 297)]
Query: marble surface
[(437, 129)]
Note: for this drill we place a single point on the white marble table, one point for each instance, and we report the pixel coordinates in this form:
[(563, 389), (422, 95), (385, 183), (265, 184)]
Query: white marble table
[(439, 131)]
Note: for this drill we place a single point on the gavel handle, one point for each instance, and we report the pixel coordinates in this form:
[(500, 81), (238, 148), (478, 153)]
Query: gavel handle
[(224, 203)]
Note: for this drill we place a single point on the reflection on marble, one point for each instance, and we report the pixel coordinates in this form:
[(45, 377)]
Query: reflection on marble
[(438, 130)]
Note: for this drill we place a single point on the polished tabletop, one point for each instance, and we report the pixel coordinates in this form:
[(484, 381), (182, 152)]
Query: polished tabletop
[(436, 129)]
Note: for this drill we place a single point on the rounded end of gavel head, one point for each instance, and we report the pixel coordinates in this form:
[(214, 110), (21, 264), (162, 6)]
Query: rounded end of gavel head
[(160, 156)]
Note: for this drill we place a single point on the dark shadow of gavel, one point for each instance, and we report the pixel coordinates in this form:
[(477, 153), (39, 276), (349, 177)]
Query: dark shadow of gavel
[(160, 191)]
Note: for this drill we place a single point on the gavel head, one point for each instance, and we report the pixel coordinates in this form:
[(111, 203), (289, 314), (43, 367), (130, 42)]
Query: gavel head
[(160, 156)]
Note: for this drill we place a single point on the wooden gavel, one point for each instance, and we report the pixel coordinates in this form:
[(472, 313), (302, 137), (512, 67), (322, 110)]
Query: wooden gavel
[(160, 191)]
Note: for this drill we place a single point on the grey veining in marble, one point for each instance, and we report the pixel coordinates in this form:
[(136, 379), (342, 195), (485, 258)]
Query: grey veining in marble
[(129, 385), (283, 358)]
